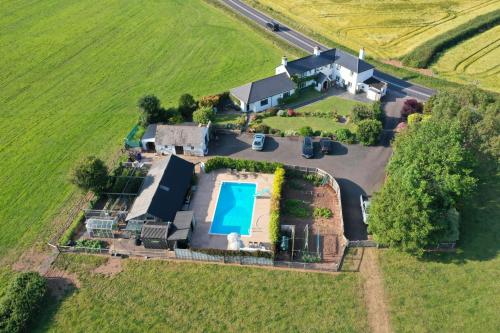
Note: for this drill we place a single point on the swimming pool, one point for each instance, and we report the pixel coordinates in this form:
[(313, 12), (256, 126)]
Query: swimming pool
[(234, 210)]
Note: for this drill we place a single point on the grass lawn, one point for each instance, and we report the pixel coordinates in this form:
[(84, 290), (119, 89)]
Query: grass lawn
[(185, 297), (222, 119), (342, 105), (452, 292), (71, 74), (385, 28), (475, 60)]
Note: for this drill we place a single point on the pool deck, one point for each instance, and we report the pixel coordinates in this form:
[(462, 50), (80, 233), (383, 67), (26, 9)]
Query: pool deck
[(204, 203)]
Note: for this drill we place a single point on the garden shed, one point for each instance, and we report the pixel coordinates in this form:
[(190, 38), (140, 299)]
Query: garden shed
[(101, 227), (171, 235)]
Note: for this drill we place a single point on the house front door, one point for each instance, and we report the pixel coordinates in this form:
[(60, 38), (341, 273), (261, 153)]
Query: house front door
[(179, 150)]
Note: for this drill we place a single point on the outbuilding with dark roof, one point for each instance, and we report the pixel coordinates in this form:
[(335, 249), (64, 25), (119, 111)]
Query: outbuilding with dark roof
[(163, 191)]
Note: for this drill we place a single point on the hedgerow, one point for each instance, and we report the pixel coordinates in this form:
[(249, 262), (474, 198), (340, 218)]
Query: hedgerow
[(425, 54), (241, 164), (274, 223)]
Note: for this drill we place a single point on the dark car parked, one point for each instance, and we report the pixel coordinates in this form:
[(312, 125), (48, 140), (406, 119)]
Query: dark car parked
[(326, 145), (307, 147), (273, 26)]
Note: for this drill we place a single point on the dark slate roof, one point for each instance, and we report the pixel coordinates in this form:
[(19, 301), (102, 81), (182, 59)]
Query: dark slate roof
[(321, 78), (164, 188), (154, 230), (261, 89), (330, 56), (373, 82), (179, 230), (150, 132)]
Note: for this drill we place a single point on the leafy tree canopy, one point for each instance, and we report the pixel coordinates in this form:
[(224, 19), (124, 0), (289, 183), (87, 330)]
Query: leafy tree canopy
[(369, 131), (204, 115), (91, 174)]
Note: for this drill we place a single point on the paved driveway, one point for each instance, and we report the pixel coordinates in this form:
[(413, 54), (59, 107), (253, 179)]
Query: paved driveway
[(358, 169)]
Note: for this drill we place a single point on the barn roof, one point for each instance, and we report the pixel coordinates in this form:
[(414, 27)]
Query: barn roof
[(163, 190), (187, 134)]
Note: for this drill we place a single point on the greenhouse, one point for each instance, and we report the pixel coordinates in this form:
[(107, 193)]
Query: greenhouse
[(101, 227)]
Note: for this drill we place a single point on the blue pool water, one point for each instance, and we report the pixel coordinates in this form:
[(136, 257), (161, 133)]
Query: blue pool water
[(234, 209)]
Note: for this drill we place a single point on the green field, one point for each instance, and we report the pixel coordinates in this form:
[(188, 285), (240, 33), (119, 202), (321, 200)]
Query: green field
[(71, 74), (160, 296), (473, 61), (451, 293), (342, 105), (386, 28)]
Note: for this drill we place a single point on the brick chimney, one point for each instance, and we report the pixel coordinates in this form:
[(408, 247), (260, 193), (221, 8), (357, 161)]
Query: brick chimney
[(317, 51), (284, 61)]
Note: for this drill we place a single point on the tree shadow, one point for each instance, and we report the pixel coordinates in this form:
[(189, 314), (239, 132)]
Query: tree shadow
[(52, 303), (339, 149), (354, 228), (479, 228)]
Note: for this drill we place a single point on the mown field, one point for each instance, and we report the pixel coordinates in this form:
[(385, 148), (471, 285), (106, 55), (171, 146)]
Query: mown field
[(474, 61), (159, 296), (386, 28), (71, 74), (451, 293)]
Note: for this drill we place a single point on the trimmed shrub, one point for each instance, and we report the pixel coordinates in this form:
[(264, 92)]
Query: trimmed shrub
[(411, 106), (291, 133), (90, 244), (240, 164), (415, 118), (290, 112), (360, 112), (209, 101), (306, 131), (326, 134), (369, 131), (345, 135), (204, 115), (271, 112), (241, 121), (322, 212), (21, 301), (281, 113), (259, 128)]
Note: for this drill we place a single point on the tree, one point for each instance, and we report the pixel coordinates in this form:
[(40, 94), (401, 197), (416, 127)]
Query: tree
[(428, 175), (21, 301), (186, 107), (361, 112), (411, 106), (91, 174), (369, 131), (151, 110), (204, 115)]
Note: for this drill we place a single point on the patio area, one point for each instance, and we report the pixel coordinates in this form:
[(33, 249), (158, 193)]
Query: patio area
[(204, 204)]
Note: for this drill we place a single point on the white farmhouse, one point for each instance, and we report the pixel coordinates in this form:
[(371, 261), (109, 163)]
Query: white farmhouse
[(333, 67), (322, 69), (186, 138), (261, 95)]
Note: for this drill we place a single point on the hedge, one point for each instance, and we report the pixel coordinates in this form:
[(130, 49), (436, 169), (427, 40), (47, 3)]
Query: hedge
[(274, 223), (425, 54), (21, 301), (68, 235), (241, 164)]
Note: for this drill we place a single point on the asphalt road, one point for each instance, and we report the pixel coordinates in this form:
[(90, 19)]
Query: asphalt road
[(357, 169), (301, 41)]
